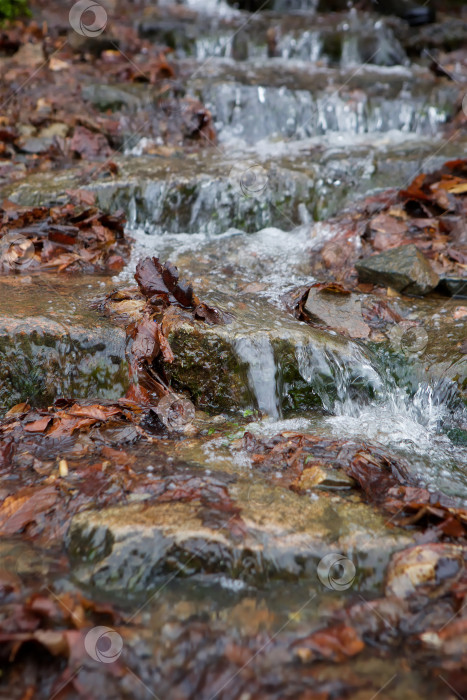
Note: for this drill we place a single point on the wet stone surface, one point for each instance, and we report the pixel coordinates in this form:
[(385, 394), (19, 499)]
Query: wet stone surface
[(44, 354), (404, 269), (277, 535)]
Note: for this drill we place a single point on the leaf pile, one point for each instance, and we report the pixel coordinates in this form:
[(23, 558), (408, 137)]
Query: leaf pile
[(100, 471), (56, 121), (162, 287), (69, 238), (430, 213), (148, 312), (385, 481)]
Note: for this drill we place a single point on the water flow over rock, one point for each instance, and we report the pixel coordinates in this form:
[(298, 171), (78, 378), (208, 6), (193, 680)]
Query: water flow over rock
[(257, 353), (412, 417)]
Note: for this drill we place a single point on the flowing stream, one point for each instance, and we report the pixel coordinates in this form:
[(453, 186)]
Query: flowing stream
[(310, 115)]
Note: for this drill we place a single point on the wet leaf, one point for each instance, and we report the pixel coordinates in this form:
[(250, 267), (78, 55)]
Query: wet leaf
[(65, 238), (18, 511), (38, 426), (149, 276), (334, 643), (90, 145), (98, 412), (146, 345), (429, 569)]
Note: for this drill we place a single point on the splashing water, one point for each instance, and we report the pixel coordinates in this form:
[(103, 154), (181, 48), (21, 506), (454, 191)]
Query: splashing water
[(395, 418), (367, 403)]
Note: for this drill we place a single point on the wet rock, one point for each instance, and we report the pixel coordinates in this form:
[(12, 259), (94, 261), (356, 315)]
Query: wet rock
[(41, 360), (196, 193), (317, 476), (43, 355), (95, 44), (415, 14), (178, 33), (35, 144), (106, 97), (342, 312), (433, 347), (453, 287), (447, 36), (263, 359), (326, 39), (207, 192), (404, 269), (283, 536), (429, 569)]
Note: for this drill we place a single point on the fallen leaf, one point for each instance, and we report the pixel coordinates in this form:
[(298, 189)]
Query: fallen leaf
[(38, 426), (19, 510)]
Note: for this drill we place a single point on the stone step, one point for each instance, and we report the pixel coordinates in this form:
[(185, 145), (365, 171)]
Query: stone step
[(218, 189), (282, 536), (336, 39), (261, 99), (261, 358), (255, 101), (51, 345)]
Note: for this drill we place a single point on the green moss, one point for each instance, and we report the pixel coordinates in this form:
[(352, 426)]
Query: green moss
[(458, 436), (9, 9), (40, 367), (208, 369)]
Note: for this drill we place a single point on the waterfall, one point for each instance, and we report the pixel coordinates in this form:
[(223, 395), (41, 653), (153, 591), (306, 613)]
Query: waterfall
[(257, 352), (337, 378), (365, 400)]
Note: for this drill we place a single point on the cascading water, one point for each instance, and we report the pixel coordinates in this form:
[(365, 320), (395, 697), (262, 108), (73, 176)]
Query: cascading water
[(257, 352), (337, 379), (365, 401)]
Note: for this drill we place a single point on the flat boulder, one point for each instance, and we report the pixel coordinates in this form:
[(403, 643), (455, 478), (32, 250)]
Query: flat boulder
[(272, 533), (340, 311), (404, 268)]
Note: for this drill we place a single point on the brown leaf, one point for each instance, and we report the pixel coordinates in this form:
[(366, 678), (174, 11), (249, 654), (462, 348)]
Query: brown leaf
[(165, 348), (63, 426), (146, 344), (388, 224), (100, 413), (23, 508), (150, 279), (18, 409), (209, 314), (85, 197), (331, 287), (38, 426), (89, 144), (428, 569), (161, 283), (335, 643)]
